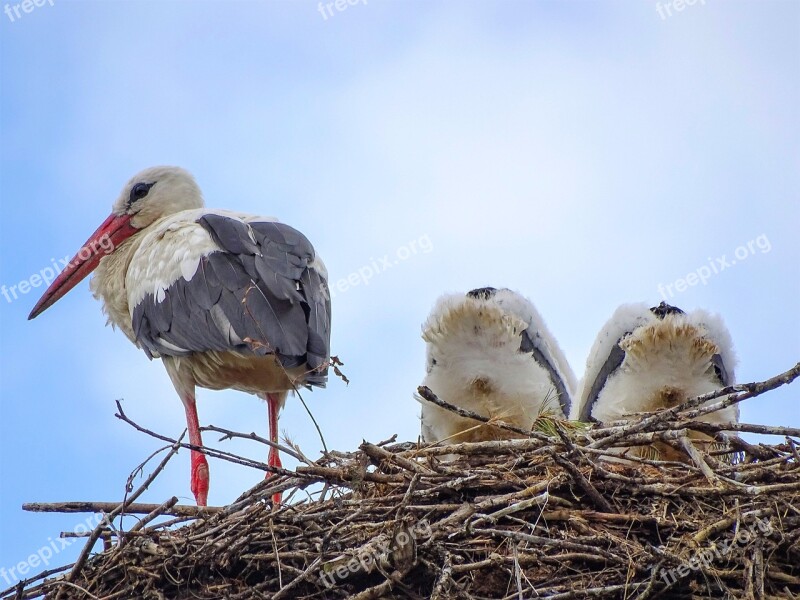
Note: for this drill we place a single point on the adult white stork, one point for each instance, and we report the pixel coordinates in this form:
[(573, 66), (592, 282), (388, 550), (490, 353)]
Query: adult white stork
[(226, 300), (646, 359), (490, 352)]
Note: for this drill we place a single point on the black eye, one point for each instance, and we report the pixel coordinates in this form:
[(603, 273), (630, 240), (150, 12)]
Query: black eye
[(139, 191)]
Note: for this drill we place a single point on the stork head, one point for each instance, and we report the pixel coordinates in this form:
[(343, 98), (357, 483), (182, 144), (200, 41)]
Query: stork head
[(155, 193), (150, 195)]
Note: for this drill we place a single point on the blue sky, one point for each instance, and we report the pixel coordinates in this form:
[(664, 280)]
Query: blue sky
[(583, 153)]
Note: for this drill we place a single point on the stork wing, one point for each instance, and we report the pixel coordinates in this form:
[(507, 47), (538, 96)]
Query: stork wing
[(259, 290), (538, 341), (606, 355), (612, 363), (532, 342)]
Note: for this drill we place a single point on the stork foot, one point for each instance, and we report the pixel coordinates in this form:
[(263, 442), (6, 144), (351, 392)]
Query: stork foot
[(200, 479)]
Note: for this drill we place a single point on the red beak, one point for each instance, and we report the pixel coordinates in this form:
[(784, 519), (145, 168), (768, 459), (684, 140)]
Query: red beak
[(114, 230)]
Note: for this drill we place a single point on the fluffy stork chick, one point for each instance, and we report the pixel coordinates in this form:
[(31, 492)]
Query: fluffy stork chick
[(489, 352), (646, 359)]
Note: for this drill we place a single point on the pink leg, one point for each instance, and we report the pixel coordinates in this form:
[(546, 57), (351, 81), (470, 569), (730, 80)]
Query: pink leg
[(274, 404), (200, 477)]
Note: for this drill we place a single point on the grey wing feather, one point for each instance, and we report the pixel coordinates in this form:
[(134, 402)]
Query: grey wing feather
[(319, 318), (719, 369), (228, 234), (527, 345), (614, 360), (259, 295)]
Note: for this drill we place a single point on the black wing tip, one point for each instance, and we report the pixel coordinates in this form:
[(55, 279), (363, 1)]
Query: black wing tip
[(720, 371), (483, 293), (664, 309)]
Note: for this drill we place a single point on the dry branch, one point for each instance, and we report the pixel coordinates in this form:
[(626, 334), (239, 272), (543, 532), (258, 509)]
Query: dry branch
[(107, 507)]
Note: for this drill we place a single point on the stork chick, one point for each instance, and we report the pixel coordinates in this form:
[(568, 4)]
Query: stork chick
[(646, 359), (490, 352), (224, 299)]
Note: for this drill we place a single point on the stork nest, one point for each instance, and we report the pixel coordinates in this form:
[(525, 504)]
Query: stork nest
[(556, 514)]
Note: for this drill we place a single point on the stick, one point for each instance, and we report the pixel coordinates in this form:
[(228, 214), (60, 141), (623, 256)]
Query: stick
[(114, 513), (212, 452), (426, 394), (107, 507), (748, 390)]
